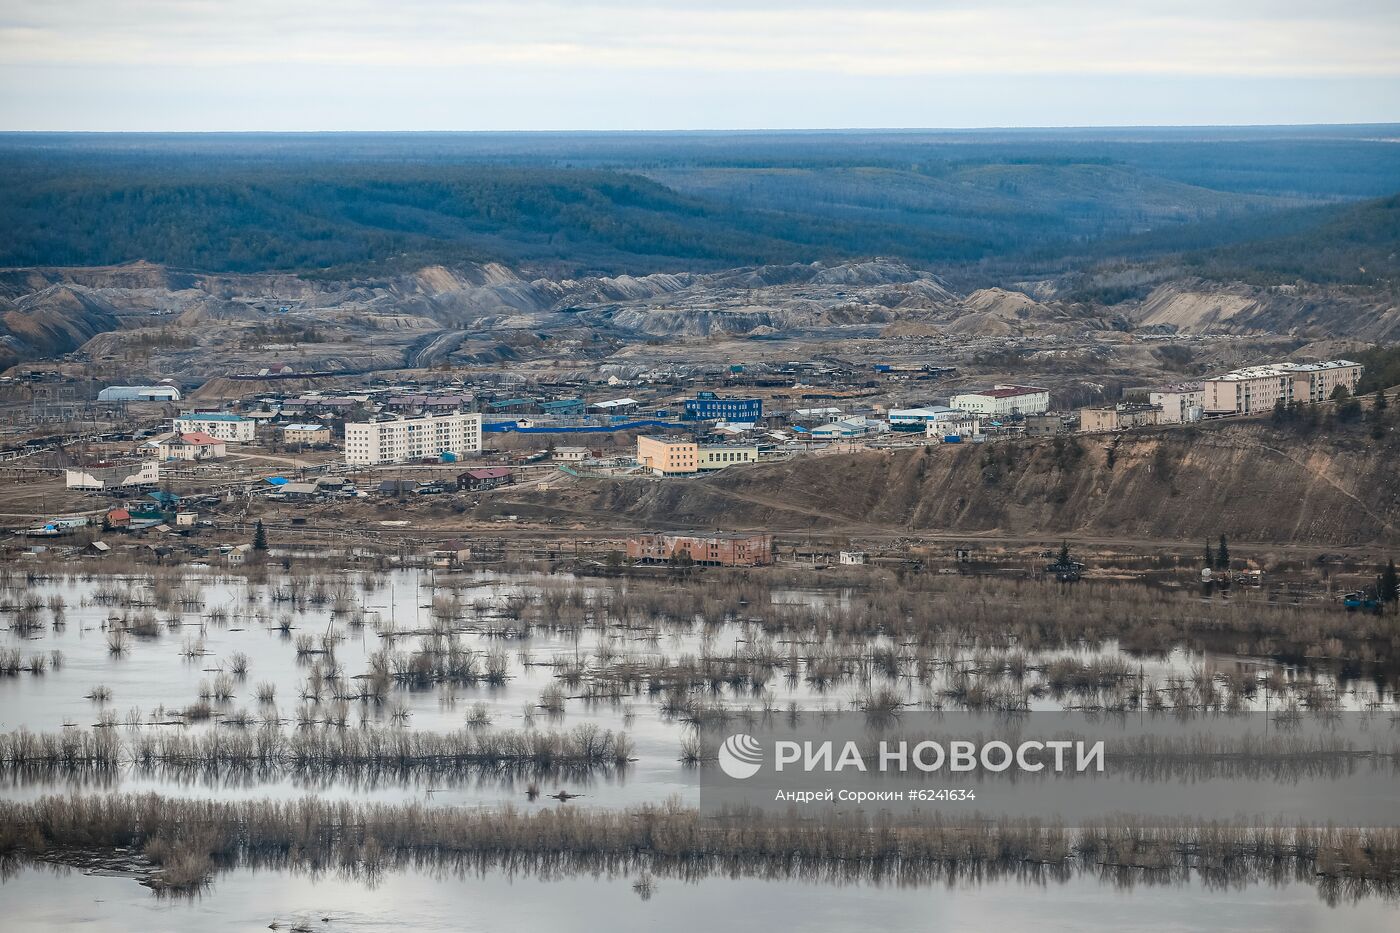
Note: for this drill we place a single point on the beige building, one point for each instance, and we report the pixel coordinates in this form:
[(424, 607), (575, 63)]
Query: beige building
[(668, 456), (1315, 382), (186, 447), (310, 435), (1119, 417), (1047, 424), (396, 440), (1180, 403), (1247, 391), (719, 456), (1258, 389)]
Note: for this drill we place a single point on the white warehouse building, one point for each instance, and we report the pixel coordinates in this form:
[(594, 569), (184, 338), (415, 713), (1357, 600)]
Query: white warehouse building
[(159, 393), (1004, 400), (395, 440)]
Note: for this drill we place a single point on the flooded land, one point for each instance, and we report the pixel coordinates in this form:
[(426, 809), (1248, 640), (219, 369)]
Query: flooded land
[(306, 747)]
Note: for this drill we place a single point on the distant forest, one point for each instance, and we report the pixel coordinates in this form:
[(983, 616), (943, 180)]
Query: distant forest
[(1254, 204)]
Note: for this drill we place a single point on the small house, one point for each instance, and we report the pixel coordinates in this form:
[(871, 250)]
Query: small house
[(397, 487), (485, 478), (300, 492)]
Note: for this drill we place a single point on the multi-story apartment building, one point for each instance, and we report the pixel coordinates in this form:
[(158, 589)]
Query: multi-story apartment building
[(222, 425), (961, 423), (1003, 401), (1315, 382), (668, 456), (1258, 389), (1180, 403), (394, 440), (1118, 417), (707, 406), (722, 549)]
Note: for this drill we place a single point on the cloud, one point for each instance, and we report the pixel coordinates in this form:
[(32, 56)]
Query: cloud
[(317, 51), (889, 39)]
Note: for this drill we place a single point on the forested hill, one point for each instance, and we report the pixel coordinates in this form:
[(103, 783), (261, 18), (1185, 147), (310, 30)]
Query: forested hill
[(1354, 245), (611, 203)]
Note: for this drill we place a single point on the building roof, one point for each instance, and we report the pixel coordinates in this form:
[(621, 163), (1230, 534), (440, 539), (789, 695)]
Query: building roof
[(300, 489), (488, 473), (1178, 387), (1316, 367), (706, 535), (1253, 372), (210, 416), (928, 411), (1005, 391), (616, 403), (305, 427), (199, 439)]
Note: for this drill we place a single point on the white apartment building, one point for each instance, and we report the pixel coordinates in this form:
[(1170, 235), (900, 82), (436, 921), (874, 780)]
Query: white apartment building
[(217, 424), (1003, 401), (1259, 388), (1180, 403), (395, 440), (962, 424)]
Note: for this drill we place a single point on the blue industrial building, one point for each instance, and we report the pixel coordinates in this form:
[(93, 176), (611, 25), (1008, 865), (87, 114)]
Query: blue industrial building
[(707, 406)]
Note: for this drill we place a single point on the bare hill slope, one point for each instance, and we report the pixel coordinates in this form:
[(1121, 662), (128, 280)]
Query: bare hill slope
[(1251, 482)]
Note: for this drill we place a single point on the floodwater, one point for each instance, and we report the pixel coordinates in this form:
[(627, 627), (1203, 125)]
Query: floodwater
[(155, 676), (40, 898)]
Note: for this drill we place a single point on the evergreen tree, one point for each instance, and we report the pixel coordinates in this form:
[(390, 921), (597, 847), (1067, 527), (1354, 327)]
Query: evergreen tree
[(1380, 400), (259, 537), (1063, 559), (1390, 584), (1222, 555), (1210, 556)]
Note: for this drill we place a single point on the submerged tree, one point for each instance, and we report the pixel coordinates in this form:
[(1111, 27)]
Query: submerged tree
[(1389, 584)]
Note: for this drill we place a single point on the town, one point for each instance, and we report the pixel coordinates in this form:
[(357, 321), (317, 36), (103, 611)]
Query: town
[(168, 475)]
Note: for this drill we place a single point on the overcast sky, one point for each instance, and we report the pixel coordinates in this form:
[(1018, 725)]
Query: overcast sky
[(692, 64)]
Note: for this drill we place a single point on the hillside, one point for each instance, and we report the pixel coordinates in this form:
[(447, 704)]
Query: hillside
[(574, 204), (1334, 487), (49, 322), (1355, 245)]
